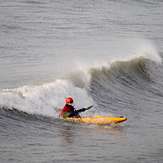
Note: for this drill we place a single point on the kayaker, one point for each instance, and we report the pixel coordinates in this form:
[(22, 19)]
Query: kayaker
[(69, 110)]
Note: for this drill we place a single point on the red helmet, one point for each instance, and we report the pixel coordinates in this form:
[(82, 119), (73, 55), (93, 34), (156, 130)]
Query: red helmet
[(69, 100)]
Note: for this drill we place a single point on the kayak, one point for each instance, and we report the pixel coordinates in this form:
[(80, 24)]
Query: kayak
[(99, 120)]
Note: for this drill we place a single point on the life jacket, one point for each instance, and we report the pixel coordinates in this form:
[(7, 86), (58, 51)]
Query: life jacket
[(66, 109)]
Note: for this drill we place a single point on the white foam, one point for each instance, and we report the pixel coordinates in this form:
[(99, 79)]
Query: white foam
[(45, 99)]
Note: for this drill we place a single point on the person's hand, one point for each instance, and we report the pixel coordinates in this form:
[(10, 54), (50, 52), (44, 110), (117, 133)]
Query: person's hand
[(82, 110)]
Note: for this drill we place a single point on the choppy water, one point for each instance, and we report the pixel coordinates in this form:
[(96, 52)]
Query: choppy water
[(105, 53)]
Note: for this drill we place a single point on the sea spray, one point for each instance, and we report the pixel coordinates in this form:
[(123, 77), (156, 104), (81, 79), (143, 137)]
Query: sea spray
[(122, 49), (138, 47)]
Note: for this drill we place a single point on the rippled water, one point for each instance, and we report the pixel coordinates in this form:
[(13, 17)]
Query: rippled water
[(105, 53)]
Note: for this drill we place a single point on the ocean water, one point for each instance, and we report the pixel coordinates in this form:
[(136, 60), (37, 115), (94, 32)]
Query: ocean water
[(102, 53)]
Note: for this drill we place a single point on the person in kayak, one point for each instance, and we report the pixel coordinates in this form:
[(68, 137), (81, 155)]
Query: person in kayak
[(69, 111)]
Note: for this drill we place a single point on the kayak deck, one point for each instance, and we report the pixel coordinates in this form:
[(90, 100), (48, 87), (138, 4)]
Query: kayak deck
[(99, 120)]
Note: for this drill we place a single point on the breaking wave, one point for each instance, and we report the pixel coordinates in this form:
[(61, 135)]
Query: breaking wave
[(102, 84)]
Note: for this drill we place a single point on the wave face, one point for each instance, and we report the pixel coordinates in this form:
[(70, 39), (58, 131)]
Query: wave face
[(132, 84)]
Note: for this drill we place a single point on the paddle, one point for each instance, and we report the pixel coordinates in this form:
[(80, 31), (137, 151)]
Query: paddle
[(89, 107), (66, 115)]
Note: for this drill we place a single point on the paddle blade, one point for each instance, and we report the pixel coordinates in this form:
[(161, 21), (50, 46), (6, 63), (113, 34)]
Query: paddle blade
[(89, 107)]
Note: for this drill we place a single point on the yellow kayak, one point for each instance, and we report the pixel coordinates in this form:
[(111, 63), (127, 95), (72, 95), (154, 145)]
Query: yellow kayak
[(99, 120)]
